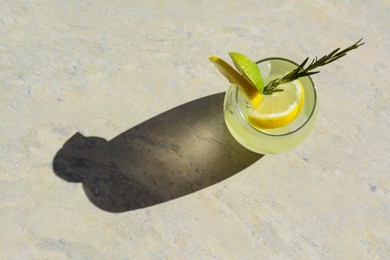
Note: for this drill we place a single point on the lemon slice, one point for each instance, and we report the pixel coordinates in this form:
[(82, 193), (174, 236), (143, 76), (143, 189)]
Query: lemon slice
[(235, 78), (248, 69), (280, 108)]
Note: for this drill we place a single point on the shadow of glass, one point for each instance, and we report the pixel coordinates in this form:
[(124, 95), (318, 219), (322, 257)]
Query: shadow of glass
[(176, 153)]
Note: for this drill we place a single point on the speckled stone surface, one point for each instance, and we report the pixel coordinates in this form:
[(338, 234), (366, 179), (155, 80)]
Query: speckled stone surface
[(80, 80)]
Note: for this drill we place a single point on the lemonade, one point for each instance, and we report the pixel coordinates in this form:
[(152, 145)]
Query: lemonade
[(237, 109), (271, 105)]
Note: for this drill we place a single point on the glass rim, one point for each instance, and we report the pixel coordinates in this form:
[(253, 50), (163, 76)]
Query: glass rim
[(297, 129)]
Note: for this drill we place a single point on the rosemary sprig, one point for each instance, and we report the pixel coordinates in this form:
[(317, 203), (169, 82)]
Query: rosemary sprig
[(300, 71)]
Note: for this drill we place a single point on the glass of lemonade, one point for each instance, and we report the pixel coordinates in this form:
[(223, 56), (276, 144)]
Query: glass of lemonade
[(277, 140)]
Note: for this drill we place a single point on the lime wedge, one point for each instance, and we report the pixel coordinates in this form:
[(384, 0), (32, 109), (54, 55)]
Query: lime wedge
[(234, 77), (248, 69)]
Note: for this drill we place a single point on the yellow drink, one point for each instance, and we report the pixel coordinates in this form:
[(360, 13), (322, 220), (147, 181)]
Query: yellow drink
[(270, 141)]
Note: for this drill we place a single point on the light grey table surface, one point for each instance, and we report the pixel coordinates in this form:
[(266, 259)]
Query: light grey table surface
[(104, 68)]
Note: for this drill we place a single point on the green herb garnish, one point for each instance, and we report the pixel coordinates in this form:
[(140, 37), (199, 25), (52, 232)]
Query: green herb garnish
[(300, 71)]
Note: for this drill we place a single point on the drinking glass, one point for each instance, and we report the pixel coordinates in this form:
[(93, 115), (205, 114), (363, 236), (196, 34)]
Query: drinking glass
[(270, 141)]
